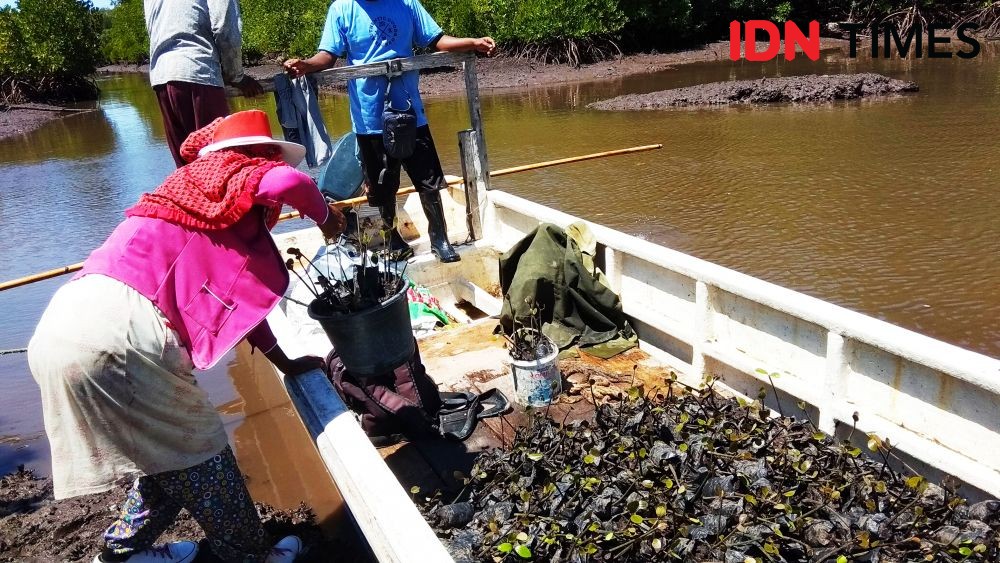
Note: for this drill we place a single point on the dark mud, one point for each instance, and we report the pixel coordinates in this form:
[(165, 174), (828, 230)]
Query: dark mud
[(501, 73), (508, 72), (494, 74), (23, 119), (36, 527), (793, 89)]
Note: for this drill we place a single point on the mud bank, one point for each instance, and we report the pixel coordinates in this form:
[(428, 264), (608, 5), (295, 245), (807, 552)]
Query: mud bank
[(793, 89), (22, 119), (507, 72), (494, 74), (36, 527)]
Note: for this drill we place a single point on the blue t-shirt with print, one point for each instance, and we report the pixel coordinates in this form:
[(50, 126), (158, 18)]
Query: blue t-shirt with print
[(368, 31)]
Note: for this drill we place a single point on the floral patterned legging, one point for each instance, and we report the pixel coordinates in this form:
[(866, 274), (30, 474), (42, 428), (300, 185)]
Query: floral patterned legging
[(215, 494)]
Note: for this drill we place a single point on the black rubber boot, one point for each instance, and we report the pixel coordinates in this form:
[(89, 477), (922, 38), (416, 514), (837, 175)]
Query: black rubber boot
[(437, 228), (398, 247)]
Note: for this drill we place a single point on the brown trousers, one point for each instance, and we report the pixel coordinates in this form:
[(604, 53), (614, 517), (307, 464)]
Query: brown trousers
[(187, 107)]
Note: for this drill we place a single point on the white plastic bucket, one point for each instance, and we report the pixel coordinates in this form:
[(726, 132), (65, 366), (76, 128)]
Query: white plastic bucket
[(537, 383)]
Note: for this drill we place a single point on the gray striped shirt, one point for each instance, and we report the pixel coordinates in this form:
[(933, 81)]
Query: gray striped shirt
[(196, 41)]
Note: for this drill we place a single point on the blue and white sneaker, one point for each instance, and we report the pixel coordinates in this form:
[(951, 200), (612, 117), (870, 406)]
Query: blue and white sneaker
[(176, 552), (286, 550)]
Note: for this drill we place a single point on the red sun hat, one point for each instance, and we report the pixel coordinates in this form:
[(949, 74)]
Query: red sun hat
[(251, 127)]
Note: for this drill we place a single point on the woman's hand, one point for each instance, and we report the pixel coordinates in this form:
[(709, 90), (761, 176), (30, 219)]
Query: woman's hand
[(335, 223), (249, 86), (301, 365), (292, 367)]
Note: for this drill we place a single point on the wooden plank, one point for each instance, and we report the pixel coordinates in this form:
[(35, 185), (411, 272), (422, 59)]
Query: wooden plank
[(476, 117), (472, 176), (350, 72)]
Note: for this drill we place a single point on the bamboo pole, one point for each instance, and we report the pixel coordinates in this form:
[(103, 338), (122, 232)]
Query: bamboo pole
[(502, 172), (41, 276), (537, 165)]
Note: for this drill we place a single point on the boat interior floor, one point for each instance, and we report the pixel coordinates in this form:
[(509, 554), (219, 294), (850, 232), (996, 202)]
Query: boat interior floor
[(470, 358)]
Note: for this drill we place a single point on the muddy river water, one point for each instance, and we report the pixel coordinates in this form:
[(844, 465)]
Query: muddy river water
[(888, 207)]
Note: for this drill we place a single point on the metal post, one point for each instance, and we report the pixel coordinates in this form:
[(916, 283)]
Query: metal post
[(474, 180), (476, 116)]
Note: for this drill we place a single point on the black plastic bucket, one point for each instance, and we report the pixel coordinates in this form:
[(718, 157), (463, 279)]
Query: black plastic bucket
[(373, 341)]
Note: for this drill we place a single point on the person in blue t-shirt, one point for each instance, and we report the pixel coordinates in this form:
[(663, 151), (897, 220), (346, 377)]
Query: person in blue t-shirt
[(367, 31)]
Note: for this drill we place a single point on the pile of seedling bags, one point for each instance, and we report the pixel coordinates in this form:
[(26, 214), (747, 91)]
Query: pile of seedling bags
[(695, 476)]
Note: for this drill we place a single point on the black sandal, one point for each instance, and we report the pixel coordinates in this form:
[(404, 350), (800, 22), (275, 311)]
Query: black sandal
[(460, 421), (455, 400), (493, 403)]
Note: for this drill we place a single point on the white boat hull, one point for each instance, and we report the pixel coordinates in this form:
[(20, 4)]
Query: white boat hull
[(938, 404)]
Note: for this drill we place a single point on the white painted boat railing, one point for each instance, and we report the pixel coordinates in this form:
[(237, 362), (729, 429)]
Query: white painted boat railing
[(938, 403), (385, 515)]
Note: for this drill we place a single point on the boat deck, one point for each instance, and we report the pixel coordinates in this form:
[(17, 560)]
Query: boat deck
[(471, 358)]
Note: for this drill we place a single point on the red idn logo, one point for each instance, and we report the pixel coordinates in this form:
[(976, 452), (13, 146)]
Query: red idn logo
[(793, 38)]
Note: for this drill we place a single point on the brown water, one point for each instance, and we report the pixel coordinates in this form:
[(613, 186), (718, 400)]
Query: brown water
[(890, 208)]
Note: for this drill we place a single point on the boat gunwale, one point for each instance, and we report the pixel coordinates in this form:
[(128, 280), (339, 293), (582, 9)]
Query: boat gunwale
[(841, 325)]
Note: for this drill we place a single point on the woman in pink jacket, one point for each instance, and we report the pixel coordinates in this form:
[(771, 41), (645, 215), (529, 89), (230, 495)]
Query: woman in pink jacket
[(189, 273)]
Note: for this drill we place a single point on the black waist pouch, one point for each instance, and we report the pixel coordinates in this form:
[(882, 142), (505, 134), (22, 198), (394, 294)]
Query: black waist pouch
[(399, 128)]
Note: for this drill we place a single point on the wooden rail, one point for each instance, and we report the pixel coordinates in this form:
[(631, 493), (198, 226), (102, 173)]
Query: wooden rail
[(393, 66), (467, 62)]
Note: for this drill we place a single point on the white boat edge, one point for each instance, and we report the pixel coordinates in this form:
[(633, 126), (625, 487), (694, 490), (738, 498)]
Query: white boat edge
[(938, 404)]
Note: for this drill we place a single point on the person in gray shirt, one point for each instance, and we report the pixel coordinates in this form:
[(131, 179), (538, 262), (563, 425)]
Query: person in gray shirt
[(195, 49)]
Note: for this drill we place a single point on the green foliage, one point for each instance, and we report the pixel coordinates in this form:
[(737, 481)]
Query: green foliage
[(124, 39), (48, 48), (553, 30), (571, 31), (279, 28), (543, 20), (14, 58), (461, 18), (658, 23), (62, 36), (782, 11)]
